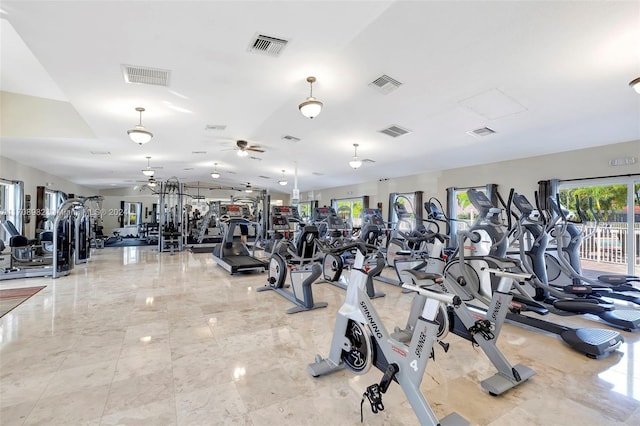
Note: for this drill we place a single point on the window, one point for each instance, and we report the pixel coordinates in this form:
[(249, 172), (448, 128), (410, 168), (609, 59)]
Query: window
[(349, 210), (465, 212), (406, 219), (611, 225), (50, 208), (132, 214), (460, 209), (304, 209), (10, 206)]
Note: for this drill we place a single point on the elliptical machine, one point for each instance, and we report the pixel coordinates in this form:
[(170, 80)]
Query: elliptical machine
[(469, 272), (564, 260), (360, 341), (576, 298)]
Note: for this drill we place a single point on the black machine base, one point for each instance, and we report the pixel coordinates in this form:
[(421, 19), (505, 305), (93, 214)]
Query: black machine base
[(593, 342)]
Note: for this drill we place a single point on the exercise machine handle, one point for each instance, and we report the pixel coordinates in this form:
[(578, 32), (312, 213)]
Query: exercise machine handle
[(448, 298), (360, 245), (472, 235)]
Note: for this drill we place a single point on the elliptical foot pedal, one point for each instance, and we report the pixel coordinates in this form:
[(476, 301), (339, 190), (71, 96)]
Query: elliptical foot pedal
[(593, 342)]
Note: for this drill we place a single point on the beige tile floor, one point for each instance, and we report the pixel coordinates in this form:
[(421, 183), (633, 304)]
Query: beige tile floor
[(141, 338)]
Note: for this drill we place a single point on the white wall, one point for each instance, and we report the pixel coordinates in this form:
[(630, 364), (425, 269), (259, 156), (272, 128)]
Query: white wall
[(32, 178), (522, 174)]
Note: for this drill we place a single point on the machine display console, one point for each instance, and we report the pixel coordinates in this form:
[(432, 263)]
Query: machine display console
[(372, 216), (282, 215), (234, 211)]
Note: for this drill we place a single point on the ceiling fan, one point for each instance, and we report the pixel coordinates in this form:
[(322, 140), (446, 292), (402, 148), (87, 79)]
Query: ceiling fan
[(244, 147)]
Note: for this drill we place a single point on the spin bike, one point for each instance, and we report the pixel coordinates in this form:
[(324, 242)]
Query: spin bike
[(360, 340), (480, 328)]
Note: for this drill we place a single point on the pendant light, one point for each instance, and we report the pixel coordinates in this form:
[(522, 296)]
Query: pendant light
[(215, 174), (148, 171), (635, 84), (283, 181), (311, 107), (355, 163), (139, 134)]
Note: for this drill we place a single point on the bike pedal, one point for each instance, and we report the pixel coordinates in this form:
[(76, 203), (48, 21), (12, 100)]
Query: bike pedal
[(374, 396)]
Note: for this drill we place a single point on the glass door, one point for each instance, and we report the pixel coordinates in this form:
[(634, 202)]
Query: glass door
[(634, 248), (607, 215)]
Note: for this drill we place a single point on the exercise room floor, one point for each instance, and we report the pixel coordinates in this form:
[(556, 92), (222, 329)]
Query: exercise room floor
[(141, 338)]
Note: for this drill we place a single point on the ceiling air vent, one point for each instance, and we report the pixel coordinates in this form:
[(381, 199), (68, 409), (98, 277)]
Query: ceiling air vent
[(394, 131), (264, 177), (267, 45), (198, 152), (483, 131), (145, 75), (214, 127), (291, 138), (317, 174), (385, 84), (100, 152)]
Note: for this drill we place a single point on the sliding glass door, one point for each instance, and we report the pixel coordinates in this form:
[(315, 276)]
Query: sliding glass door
[(611, 231)]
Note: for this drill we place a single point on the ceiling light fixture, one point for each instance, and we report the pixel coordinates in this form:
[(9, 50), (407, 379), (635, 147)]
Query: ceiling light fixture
[(635, 84), (152, 182), (248, 189), (139, 134), (283, 181), (311, 107), (148, 171), (242, 153), (355, 163), (215, 174)]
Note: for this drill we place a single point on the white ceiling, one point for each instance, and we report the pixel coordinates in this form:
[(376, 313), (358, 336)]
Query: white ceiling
[(546, 76)]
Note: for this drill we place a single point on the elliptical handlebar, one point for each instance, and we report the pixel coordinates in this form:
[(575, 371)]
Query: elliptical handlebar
[(419, 236), (475, 237), (360, 245), (543, 214), (581, 214)]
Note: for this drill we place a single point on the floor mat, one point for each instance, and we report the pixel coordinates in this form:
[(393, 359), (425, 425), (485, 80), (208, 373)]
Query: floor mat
[(12, 297), (127, 242)]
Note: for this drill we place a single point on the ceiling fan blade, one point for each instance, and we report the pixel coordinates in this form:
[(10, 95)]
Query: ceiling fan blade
[(255, 149)]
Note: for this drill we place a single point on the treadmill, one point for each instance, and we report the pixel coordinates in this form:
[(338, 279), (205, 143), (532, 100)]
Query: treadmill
[(233, 255)]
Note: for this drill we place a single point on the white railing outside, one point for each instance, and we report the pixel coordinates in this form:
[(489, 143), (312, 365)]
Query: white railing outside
[(608, 243)]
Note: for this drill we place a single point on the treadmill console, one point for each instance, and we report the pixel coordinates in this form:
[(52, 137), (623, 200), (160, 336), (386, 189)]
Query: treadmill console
[(282, 215), (373, 217), (328, 215), (235, 211)]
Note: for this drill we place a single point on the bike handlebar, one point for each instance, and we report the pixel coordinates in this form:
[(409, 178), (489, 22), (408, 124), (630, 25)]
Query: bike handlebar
[(447, 298)]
